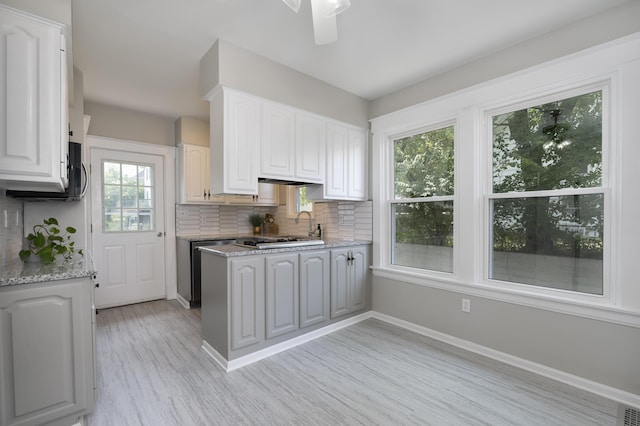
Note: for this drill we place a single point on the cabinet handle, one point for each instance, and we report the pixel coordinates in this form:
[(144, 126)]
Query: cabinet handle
[(97, 285), (204, 194), (209, 195)]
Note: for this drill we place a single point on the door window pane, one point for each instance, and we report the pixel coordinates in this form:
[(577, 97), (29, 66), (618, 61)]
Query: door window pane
[(127, 197)]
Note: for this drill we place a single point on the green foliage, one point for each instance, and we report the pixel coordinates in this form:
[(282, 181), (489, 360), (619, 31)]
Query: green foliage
[(423, 169), (548, 147), (255, 219), (47, 242)]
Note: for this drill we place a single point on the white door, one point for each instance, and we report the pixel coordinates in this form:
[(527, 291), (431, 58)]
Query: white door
[(127, 199)]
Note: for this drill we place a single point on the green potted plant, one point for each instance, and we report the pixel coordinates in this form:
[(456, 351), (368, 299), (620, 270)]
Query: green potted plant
[(48, 241), (256, 221)]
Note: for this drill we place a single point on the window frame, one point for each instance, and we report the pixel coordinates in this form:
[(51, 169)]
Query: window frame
[(292, 202), (391, 200), (615, 64), (554, 94)]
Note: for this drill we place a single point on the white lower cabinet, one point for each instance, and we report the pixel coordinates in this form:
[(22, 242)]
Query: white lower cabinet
[(348, 280), (47, 360), (282, 286)]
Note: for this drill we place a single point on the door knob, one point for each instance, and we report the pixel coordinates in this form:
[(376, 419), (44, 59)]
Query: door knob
[(159, 234)]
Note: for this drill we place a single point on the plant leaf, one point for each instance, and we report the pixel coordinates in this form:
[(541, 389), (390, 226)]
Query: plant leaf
[(24, 254), (39, 240), (71, 229)]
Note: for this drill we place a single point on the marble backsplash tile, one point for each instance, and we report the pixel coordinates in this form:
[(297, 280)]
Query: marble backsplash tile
[(11, 229)]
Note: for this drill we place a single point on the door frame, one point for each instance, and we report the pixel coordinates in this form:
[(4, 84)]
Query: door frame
[(168, 154)]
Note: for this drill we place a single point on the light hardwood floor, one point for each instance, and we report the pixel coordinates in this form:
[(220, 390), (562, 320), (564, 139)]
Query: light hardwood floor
[(152, 371)]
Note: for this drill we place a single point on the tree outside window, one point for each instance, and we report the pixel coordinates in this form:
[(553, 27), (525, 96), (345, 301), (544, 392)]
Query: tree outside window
[(547, 201), (422, 208)]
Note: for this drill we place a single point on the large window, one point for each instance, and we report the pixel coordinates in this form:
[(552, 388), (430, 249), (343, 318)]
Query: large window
[(422, 206), (547, 200)]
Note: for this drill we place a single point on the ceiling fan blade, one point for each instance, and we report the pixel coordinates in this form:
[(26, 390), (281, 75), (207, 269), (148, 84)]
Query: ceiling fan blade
[(325, 29)]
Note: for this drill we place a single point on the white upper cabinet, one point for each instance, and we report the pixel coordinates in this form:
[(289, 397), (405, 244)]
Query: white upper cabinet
[(292, 145), (346, 168), (235, 135), (194, 179), (310, 147), (278, 142), (33, 116)]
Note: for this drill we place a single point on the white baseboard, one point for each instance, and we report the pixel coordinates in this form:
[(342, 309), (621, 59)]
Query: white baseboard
[(280, 347), (561, 376), (183, 302)]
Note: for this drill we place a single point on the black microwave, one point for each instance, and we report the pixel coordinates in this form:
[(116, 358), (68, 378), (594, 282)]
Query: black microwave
[(77, 181)]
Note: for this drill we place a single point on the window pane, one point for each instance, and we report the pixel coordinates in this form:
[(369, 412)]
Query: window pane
[(303, 203), (423, 235), (549, 241), (423, 164), (128, 197), (129, 174), (111, 173), (113, 220), (550, 146), (112, 196)]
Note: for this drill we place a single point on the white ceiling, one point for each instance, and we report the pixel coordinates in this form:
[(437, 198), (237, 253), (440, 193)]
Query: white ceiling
[(144, 54)]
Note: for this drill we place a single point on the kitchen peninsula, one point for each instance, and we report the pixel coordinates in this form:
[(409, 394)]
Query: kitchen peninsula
[(257, 302)]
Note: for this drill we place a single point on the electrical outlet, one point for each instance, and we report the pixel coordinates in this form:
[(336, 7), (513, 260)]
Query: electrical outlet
[(6, 218), (466, 305), (340, 218), (183, 213)]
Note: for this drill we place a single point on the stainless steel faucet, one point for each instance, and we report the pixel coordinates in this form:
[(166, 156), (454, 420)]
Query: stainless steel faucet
[(311, 234)]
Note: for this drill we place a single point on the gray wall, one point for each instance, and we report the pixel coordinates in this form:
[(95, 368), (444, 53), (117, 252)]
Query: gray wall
[(603, 352), (120, 123), (610, 25), (242, 70)]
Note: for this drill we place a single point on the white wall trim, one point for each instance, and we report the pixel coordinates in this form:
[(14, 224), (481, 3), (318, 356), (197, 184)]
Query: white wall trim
[(526, 298), (561, 376), (280, 347), (169, 155)]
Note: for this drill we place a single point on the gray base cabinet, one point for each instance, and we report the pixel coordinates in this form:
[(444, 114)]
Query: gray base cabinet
[(314, 288), (252, 302), (247, 301), (47, 357), (282, 283), (348, 280)]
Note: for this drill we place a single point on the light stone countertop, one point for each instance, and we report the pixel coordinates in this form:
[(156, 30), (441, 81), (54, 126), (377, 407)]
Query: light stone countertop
[(18, 272), (231, 250)]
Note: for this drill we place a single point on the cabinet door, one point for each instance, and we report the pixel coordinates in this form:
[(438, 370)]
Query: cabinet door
[(337, 154), (314, 288), (33, 140), (241, 138), (357, 165), (268, 194), (281, 294), (339, 282), (358, 270), (278, 144), (247, 302), (196, 173), (310, 148), (46, 362)]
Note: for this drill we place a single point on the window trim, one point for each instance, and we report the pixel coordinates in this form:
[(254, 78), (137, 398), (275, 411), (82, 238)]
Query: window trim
[(292, 212), (446, 121), (603, 84), (614, 63)]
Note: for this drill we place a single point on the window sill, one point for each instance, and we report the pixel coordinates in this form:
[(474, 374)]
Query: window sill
[(563, 305)]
